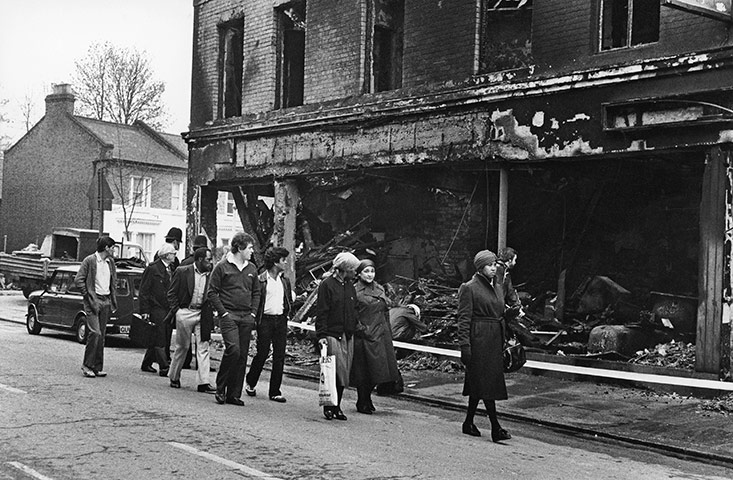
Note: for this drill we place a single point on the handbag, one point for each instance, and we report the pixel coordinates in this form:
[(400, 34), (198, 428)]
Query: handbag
[(327, 394), (514, 356)]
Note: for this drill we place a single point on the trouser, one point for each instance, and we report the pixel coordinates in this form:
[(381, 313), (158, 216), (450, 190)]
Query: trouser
[(188, 322), (273, 329), (236, 331), (96, 332)]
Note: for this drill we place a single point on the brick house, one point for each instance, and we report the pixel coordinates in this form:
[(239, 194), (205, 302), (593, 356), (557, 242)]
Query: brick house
[(50, 179), (592, 136)]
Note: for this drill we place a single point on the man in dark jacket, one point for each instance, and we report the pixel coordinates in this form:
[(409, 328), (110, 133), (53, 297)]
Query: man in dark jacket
[(193, 314), (97, 279), (272, 322), (154, 306), (199, 242), (234, 291)]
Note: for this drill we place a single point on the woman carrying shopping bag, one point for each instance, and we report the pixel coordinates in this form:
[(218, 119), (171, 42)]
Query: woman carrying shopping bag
[(336, 323)]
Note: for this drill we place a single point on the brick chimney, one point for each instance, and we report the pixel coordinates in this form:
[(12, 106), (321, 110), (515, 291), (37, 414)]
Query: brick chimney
[(61, 100)]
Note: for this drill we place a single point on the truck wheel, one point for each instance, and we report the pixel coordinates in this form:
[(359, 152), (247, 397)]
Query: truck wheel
[(81, 329), (31, 323)]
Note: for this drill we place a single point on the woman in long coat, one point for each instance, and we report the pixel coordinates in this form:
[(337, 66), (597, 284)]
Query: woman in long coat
[(374, 358), (481, 304)]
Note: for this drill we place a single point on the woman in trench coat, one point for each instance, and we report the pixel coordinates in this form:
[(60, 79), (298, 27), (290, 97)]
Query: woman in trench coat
[(481, 304), (374, 358)]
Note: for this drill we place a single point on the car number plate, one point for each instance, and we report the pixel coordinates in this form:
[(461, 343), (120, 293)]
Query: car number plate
[(124, 329)]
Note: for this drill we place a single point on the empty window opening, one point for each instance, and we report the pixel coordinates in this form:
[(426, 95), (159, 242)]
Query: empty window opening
[(231, 36), (506, 35), (387, 44), (626, 23), (291, 49)]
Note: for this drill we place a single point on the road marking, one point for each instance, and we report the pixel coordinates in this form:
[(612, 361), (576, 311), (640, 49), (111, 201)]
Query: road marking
[(11, 389), (28, 470), (224, 461)]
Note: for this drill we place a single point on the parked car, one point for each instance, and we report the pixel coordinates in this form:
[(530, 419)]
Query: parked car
[(60, 305)]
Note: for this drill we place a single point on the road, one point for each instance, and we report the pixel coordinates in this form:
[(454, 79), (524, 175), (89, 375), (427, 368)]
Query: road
[(56, 424)]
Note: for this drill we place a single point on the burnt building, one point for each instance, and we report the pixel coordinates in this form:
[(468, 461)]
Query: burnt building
[(592, 136)]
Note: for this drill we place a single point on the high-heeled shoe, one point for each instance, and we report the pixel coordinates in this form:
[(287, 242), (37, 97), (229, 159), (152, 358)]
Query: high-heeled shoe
[(328, 413), (499, 434), (339, 415), (470, 429)]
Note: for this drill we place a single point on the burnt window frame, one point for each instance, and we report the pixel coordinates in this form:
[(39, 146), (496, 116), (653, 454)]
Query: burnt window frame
[(228, 33), (634, 25), (396, 57), (503, 10), (285, 26)]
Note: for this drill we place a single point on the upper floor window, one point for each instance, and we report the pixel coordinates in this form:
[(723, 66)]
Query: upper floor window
[(506, 35), (226, 203), (231, 61), (177, 194), (291, 54), (139, 193), (387, 38), (626, 23)]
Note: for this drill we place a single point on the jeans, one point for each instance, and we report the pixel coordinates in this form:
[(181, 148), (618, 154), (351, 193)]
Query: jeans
[(272, 330), (96, 330), (236, 331)]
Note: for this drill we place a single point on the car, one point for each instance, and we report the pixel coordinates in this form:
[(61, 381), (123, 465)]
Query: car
[(60, 304)]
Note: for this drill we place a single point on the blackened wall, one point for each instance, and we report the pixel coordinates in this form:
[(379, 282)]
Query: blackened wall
[(565, 35)]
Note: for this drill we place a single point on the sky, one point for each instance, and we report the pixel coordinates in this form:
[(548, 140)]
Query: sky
[(41, 39)]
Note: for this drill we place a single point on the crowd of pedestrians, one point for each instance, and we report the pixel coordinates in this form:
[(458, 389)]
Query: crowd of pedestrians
[(353, 322)]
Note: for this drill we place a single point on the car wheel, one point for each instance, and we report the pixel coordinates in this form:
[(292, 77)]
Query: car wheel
[(31, 323), (81, 329)]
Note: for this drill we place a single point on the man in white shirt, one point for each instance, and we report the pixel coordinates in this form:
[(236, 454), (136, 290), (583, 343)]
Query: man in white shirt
[(97, 278), (272, 323)]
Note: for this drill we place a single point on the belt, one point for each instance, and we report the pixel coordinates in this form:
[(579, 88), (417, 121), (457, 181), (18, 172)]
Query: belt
[(273, 317), (192, 307), (486, 319), (103, 297)]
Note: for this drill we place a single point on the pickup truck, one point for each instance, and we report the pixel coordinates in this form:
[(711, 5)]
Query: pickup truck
[(31, 269)]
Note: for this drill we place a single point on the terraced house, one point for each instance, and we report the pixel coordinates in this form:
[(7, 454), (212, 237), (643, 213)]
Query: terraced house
[(591, 135)]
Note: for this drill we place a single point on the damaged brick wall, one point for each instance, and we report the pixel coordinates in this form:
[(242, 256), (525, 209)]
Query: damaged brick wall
[(440, 41), (564, 35), (334, 49)]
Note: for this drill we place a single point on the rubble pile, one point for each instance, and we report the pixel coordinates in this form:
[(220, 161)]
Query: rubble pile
[(670, 355), (723, 405)]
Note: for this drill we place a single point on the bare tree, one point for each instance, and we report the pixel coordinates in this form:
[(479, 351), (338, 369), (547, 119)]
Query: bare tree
[(4, 137), (132, 185), (28, 111), (118, 85)]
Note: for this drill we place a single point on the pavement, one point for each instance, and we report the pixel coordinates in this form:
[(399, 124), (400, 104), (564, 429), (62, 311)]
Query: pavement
[(670, 423)]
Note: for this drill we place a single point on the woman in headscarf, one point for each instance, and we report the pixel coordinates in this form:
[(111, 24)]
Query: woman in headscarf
[(336, 322), (374, 357), (481, 304)]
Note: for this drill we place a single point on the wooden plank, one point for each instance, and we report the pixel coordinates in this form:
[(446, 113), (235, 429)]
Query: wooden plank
[(710, 284)]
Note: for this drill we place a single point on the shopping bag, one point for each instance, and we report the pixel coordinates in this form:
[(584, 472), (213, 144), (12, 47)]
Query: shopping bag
[(327, 395)]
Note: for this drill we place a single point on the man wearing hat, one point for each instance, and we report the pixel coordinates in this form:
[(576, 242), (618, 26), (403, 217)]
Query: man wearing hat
[(174, 237), (200, 241)]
